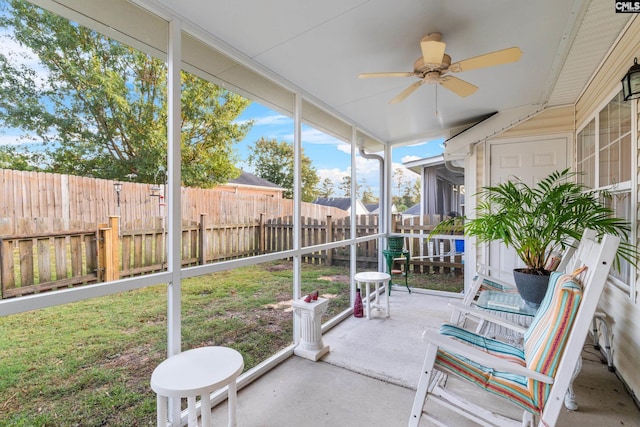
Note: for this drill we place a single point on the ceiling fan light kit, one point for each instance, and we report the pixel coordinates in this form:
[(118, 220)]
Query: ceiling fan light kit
[(434, 64)]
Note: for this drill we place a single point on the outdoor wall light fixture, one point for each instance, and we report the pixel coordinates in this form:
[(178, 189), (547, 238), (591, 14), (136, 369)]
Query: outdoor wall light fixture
[(631, 82), (118, 187), (155, 191)]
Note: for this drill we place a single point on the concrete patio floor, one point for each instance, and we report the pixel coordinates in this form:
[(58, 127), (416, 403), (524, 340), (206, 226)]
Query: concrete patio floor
[(370, 375)]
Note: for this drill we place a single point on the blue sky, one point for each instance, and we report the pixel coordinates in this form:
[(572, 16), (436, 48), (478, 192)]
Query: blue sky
[(330, 157)]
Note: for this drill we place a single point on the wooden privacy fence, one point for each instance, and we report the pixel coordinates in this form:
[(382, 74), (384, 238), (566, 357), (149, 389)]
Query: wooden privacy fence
[(439, 254), (38, 202), (30, 264), (279, 237), (46, 261)]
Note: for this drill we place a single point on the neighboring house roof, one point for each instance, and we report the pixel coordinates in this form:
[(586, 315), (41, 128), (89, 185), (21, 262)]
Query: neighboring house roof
[(250, 179), (436, 163), (372, 207), (343, 203), (413, 210)]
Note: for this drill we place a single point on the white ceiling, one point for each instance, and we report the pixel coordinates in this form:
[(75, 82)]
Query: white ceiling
[(319, 48)]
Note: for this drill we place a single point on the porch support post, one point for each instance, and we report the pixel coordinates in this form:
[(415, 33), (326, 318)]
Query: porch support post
[(297, 207), (353, 247), (175, 216), (470, 251), (385, 220)]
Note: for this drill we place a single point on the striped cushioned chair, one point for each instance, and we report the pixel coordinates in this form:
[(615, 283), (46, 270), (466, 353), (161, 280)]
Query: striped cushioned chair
[(534, 378), (543, 345)]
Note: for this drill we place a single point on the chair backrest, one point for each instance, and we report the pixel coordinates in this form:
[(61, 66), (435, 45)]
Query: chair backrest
[(546, 338), (554, 341), (571, 257)]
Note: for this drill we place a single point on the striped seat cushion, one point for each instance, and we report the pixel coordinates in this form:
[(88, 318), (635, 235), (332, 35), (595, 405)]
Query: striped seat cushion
[(510, 386), (544, 344), (488, 345), (546, 338)]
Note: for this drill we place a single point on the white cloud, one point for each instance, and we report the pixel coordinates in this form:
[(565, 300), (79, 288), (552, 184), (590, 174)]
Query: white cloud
[(335, 175), (344, 147), (367, 167), (20, 55), (314, 136), (271, 120), (11, 140)]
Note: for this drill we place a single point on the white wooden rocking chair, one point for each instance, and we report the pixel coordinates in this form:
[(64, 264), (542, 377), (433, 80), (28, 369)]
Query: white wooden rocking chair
[(488, 323), (535, 378)]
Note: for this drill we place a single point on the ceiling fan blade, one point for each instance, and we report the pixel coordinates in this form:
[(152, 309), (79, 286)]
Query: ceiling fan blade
[(389, 74), (432, 49), (408, 91), (458, 86), (499, 57)]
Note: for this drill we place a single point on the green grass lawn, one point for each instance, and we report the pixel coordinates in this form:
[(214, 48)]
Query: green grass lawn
[(89, 363)]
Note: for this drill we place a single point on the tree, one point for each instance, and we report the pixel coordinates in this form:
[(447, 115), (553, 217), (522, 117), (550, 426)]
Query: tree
[(345, 186), (273, 161), (11, 158), (327, 188), (407, 191), (368, 196), (101, 109)]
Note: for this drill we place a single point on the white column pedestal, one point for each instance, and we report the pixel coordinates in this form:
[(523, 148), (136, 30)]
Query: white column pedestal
[(310, 345)]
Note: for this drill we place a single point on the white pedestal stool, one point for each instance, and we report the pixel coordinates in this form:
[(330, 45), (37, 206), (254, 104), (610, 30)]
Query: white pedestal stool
[(197, 372)]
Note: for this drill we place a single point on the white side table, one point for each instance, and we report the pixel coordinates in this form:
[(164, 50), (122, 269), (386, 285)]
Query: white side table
[(197, 372), (378, 279)]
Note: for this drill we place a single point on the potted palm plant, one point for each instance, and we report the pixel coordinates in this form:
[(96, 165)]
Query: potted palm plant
[(538, 221)]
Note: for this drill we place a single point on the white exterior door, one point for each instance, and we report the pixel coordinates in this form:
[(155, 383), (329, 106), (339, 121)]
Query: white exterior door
[(530, 161)]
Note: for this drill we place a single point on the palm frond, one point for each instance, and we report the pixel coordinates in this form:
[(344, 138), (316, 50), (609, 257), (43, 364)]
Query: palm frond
[(537, 220)]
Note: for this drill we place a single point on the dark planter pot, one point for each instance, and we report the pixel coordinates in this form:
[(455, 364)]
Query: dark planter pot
[(532, 287)]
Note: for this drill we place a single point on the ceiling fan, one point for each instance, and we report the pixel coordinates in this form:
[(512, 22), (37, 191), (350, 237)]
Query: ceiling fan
[(434, 64)]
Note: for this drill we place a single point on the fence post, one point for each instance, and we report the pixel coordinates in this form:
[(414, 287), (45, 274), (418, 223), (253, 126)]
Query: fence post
[(105, 254), (262, 231), (396, 222), (329, 240), (6, 266), (202, 248), (114, 222)]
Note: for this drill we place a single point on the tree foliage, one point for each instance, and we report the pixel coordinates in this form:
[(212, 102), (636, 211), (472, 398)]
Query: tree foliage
[(12, 158), (273, 161), (345, 186), (368, 196), (407, 192), (327, 189), (100, 106)]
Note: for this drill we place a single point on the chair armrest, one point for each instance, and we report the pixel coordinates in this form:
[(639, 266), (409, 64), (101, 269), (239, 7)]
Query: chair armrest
[(486, 316), (506, 284), (449, 344)]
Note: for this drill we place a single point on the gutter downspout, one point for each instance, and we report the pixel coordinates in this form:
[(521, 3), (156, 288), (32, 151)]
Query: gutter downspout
[(448, 164), (383, 205)]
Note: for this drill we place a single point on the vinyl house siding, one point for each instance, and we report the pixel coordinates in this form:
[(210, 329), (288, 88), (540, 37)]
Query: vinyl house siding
[(552, 121), (621, 307)]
